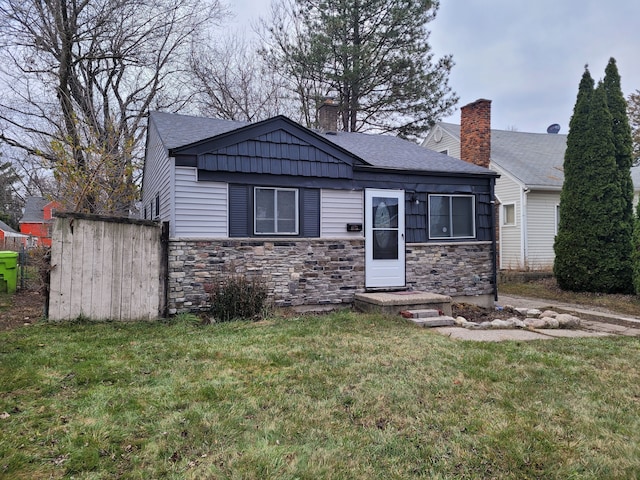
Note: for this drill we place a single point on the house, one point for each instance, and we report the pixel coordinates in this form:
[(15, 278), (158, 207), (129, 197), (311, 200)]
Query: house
[(9, 238), (37, 219), (528, 189), (319, 215)]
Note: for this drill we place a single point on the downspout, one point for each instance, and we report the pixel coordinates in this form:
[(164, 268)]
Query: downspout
[(524, 230), (494, 247)]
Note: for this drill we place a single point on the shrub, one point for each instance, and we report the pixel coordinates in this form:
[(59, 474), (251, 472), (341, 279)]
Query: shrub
[(237, 298)]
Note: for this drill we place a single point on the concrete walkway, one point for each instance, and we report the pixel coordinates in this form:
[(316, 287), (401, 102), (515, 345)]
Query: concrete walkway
[(595, 322)]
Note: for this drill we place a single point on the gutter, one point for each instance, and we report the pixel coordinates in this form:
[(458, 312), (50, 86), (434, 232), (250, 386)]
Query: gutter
[(524, 230), (494, 246)]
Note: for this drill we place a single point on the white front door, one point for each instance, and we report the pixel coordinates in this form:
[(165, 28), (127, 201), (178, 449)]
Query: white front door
[(384, 238)]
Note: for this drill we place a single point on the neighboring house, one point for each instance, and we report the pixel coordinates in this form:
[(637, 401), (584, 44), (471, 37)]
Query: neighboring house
[(528, 190), (37, 219), (9, 238), (319, 216)]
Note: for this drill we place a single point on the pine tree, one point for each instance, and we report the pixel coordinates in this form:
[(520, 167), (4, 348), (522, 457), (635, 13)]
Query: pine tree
[(624, 160), (591, 204), (373, 55)]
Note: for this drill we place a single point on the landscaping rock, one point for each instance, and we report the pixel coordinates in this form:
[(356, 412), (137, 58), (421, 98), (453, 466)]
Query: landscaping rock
[(502, 323), (568, 321), (523, 318), (517, 323), (552, 322), (536, 323)]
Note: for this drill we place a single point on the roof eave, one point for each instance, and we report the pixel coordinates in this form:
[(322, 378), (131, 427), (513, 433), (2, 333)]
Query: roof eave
[(436, 173)]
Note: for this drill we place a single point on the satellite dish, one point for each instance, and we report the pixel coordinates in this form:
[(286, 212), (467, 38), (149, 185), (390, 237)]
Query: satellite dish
[(553, 128)]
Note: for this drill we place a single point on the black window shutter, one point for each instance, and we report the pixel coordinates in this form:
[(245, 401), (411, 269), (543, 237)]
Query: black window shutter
[(239, 211), (310, 214)]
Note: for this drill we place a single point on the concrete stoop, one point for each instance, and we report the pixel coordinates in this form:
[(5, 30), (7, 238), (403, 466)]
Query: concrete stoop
[(392, 303)]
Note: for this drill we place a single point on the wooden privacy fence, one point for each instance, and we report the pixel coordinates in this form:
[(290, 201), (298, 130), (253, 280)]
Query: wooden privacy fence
[(106, 268)]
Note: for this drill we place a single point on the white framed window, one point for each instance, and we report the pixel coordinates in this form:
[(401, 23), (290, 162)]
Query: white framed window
[(452, 216), (557, 217), (275, 211), (509, 214)]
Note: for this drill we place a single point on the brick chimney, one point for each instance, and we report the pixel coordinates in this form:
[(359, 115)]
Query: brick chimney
[(475, 132), (328, 115)]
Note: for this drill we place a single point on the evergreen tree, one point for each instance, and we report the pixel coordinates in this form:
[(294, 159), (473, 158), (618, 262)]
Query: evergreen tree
[(10, 203), (373, 55), (591, 204), (635, 253), (624, 159)]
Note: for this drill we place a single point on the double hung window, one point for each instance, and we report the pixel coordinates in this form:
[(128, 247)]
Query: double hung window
[(275, 211)]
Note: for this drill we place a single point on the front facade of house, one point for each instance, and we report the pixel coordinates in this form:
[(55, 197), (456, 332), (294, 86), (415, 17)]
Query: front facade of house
[(318, 216)]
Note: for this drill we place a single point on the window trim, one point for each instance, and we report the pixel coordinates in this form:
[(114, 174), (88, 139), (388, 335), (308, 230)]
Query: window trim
[(451, 196), (296, 214), (504, 215)]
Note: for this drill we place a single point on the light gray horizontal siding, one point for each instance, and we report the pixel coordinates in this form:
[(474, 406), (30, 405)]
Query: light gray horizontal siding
[(157, 177), (339, 207), (541, 228), (201, 207), (508, 191)]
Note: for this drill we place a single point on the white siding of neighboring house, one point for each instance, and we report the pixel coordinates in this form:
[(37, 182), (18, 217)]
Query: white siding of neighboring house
[(157, 178), (439, 140), (511, 249), (201, 207), (337, 208), (541, 228)]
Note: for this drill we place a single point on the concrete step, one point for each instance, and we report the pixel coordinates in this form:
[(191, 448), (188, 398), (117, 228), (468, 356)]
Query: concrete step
[(393, 302), (431, 322), (422, 313)]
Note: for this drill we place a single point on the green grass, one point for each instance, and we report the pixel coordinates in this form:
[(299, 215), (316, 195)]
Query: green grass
[(333, 397)]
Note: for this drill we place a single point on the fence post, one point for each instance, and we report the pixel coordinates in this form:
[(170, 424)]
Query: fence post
[(164, 271)]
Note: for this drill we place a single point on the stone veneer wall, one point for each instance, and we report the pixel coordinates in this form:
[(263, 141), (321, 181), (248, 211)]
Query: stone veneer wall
[(317, 271), (454, 269)]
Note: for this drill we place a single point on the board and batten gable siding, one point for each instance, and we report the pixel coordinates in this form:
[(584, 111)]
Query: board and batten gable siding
[(541, 231), (201, 207), (508, 191), (158, 175), (339, 207)]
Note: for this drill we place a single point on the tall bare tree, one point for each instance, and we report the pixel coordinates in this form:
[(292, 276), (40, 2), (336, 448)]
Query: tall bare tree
[(79, 77), (232, 81)]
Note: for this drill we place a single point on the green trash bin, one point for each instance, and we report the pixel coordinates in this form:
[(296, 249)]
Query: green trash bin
[(8, 271)]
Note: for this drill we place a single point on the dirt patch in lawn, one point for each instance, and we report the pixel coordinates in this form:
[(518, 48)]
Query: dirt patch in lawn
[(23, 307), (474, 313)]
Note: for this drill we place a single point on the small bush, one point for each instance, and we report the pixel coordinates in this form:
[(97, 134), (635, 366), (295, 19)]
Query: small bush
[(238, 298)]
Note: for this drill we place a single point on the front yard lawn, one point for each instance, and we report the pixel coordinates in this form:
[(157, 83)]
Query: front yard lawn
[(332, 397)]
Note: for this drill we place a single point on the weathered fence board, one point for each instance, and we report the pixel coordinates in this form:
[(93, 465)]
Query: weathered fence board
[(106, 269)]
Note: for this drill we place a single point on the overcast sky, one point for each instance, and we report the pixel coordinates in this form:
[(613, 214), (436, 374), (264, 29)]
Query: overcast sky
[(527, 56)]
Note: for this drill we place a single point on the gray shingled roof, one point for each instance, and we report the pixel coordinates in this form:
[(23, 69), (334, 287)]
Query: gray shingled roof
[(535, 159), (6, 228), (34, 210), (378, 150)]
